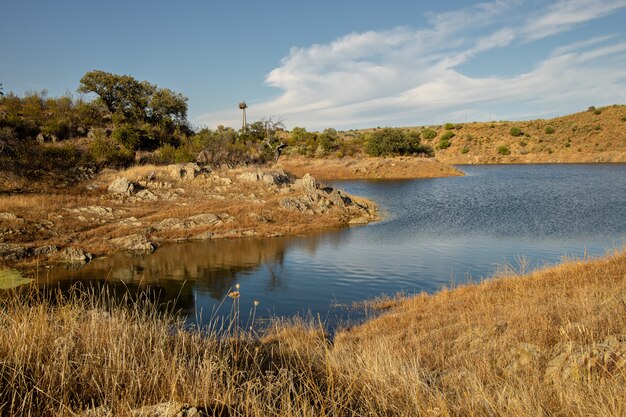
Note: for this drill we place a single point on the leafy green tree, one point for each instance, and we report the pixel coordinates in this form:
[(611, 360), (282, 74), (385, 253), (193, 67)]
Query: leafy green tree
[(133, 101), (121, 94), (166, 105)]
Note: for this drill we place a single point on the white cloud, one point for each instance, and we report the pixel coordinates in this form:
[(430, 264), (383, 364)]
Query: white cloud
[(405, 76)]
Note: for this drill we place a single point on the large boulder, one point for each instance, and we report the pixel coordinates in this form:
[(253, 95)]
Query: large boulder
[(135, 242), (306, 184), (122, 186), (76, 255), (184, 171)]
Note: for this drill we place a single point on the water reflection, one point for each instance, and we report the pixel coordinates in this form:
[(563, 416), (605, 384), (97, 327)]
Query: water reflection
[(184, 273)]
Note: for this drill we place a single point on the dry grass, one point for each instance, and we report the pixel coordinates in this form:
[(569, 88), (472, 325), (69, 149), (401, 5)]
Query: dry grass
[(550, 343), (579, 137), (367, 168)]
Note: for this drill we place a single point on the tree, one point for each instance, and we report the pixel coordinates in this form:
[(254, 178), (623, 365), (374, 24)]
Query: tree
[(133, 101), (1, 92)]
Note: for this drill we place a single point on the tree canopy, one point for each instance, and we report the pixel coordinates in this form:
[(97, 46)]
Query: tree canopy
[(133, 101)]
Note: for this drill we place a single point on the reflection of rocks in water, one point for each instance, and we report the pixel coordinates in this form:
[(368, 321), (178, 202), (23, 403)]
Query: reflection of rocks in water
[(212, 267)]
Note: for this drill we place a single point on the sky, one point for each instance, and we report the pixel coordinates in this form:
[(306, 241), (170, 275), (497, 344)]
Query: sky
[(330, 63)]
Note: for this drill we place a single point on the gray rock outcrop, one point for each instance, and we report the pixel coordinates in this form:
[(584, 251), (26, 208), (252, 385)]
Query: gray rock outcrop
[(136, 242), (76, 255), (121, 186)]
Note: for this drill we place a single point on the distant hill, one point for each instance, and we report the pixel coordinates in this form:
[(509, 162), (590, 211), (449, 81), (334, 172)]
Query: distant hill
[(594, 135)]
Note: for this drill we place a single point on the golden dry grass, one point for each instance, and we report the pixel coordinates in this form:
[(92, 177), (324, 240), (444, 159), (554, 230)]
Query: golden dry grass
[(367, 167), (579, 137), (550, 343)]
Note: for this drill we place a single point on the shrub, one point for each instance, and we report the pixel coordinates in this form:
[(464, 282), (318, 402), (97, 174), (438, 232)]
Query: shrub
[(591, 108), (503, 150), (516, 131), (106, 152), (449, 126), (132, 137), (549, 130), (465, 150), (623, 119), (522, 143), (428, 134), (389, 141), (597, 112), (447, 135)]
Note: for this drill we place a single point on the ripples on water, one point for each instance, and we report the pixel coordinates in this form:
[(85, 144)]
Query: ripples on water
[(437, 232)]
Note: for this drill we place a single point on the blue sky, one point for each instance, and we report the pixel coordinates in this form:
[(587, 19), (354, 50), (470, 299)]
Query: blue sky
[(341, 64)]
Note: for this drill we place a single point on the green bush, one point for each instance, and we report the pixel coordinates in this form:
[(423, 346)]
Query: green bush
[(132, 137), (449, 126), (428, 134), (465, 150), (516, 131), (591, 108), (549, 130), (503, 150), (108, 153), (389, 141), (623, 119), (597, 112)]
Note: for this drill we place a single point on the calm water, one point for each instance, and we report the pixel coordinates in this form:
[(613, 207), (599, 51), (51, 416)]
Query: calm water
[(436, 232)]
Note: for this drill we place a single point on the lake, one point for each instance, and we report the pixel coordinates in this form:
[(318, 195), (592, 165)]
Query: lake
[(435, 232)]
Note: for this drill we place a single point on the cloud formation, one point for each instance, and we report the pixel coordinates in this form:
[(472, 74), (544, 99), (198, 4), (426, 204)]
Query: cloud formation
[(405, 76)]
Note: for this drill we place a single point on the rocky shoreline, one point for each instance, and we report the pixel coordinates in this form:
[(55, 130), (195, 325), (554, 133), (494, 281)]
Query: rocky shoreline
[(145, 206)]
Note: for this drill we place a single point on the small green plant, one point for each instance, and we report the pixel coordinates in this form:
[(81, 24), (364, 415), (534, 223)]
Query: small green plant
[(597, 112), (447, 135), (428, 134), (503, 150), (550, 150), (465, 150), (567, 144), (591, 108), (549, 130), (623, 119), (516, 131), (449, 126), (522, 143)]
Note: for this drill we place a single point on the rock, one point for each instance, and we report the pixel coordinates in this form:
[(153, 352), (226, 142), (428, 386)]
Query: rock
[(277, 178), (75, 255), (596, 361), (14, 252), (147, 195), (122, 186), (307, 184), (292, 203), (7, 216), (359, 220), (131, 221), (206, 219), (135, 242), (184, 171), (45, 250)]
